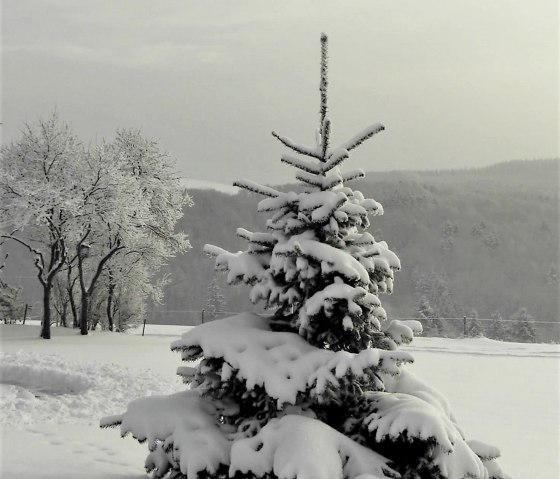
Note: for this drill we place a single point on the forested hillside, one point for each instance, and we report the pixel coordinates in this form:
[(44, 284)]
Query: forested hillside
[(484, 239)]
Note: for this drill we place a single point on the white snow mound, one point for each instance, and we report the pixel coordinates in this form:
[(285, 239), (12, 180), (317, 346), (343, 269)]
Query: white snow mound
[(42, 380)]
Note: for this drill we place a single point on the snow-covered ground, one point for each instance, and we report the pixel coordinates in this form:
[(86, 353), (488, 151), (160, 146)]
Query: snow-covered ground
[(54, 392)]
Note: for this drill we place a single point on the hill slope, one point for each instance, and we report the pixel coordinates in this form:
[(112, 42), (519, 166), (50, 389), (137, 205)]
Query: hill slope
[(485, 239)]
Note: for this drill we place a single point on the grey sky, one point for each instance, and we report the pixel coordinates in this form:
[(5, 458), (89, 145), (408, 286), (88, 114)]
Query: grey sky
[(458, 83)]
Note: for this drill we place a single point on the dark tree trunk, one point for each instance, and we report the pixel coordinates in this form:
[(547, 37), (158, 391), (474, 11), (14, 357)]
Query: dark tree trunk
[(110, 298), (84, 313), (74, 311), (88, 290), (64, 315), (46, 326), (46, 275), (70, 287)]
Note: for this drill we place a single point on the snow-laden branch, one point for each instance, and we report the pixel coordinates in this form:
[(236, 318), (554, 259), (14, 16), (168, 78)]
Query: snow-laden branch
[(310, 179), (332, 260), (108, 255), (359, 138), (38, 261), (301, 164), (185, 422), (302, 447), (356, 301), (335, 158), (283, 363), (321, 204), (410, 404), (280, 202), (353, 175), (302, 150), (263, 239), (256, 188), (331, 181), (212, 250), (401, 332)]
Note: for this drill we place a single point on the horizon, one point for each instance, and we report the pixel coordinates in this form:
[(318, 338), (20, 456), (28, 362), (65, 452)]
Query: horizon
[(199, 183)]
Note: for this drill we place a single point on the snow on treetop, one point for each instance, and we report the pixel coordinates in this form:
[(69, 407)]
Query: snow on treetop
[(330, 157), (281, 362)]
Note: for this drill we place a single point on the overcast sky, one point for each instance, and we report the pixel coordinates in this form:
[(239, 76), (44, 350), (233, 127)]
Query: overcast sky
[(458, 83)]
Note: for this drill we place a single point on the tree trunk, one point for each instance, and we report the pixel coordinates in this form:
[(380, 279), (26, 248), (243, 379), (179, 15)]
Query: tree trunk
[(84, 313), (74, 311), (70, 289), (46, 326), (64, 315), (87, 291), (110, 318), (84, 306)]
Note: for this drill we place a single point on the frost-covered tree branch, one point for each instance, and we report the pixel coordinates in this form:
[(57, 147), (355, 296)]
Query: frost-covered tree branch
[(120, 195)]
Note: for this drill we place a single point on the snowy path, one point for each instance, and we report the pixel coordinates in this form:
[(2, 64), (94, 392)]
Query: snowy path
[(54, 392)]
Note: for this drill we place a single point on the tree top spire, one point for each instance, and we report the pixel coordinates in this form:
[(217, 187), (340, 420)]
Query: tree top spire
[(324, 81)]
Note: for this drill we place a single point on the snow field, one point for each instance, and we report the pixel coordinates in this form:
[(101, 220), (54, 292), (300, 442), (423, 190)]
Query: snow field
[(54, 393)]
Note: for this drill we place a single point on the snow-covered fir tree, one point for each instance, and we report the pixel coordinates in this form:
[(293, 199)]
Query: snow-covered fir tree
[(522, 327), (320, 388), (215, 301), (425, 311), (497, 330), (475, 328), (431, 323)]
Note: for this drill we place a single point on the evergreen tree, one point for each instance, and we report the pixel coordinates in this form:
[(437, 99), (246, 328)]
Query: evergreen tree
[(425, 311), (431, 323), (497, 329), (435, 286), (475, 328), (523, 330), (215, 301), (318, 389), (449, 230)]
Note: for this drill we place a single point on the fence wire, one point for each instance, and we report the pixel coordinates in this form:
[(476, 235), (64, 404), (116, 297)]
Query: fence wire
[(544, 331), (532, 330)]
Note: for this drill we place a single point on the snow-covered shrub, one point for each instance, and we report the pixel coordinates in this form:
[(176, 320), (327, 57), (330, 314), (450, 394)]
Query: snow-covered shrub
[(318, 389)]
